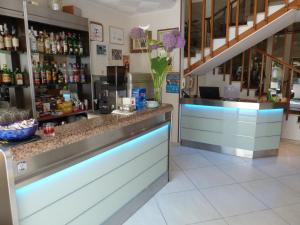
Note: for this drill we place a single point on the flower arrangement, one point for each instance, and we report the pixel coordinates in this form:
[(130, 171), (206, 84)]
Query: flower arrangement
[(158, 55)]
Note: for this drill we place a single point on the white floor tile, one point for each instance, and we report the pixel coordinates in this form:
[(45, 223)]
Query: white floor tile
[(208, 177), (256, 218), (243, 173), (182, 150), (232, 200), (174, 166), (279, 169), (272, 192), (292, 181), (149, 214), (178, 182), (222, 159), (186, 208), (291, 214), (214, 222), (191, 161)]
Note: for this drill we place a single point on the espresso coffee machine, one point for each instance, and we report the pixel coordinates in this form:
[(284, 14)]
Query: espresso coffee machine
[(109, 89)]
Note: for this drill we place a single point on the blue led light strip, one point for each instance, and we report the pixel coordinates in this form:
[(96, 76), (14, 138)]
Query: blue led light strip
[(230, 108), (79, 166)]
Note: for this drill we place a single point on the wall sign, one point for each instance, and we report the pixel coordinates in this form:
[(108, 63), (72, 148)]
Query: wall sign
[(116, 35), (96, 32), (173, 83)]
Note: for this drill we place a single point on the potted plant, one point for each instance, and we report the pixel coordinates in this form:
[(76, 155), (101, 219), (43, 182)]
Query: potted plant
[(158, 55)]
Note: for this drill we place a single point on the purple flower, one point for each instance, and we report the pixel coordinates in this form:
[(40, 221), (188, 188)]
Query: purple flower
[(180, 42), (173, 40), (137, 33), (169, 41)]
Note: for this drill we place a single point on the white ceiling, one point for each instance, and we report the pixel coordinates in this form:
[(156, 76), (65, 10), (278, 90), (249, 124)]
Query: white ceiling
[(137, 6)]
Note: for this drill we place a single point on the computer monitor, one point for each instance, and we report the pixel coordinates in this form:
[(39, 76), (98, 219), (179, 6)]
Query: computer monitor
[(209, 92)]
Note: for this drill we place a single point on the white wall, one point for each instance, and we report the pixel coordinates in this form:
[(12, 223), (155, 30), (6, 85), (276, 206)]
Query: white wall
[(159, 20)]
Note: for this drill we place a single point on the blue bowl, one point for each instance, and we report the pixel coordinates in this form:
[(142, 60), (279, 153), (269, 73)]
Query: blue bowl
[(19, 134)]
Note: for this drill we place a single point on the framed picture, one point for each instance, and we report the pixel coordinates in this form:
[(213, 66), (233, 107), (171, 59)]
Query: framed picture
[(116, 54), (101, 49), (135, 47), (96, 32), (116, 35), (161, 33), (173, 83)]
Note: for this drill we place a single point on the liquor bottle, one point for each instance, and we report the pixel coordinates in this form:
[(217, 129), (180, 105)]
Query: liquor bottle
[(64, 43), (71, 76), (15, 39), (65, 73), (6, 75), (80, 46), (47, 43), (7, 39), (41, 43), (19, 77), (53, 44), (54, 73), (48, 73), (58, 44), (43, 75), (76, 71), (60, 75), (32, 39), (70, 44), (82, 74), (2, 46), (75, 44), (37, 73)]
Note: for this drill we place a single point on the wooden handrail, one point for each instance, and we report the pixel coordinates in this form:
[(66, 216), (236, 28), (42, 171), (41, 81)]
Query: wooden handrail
[(237, 17), (228, 12), (203, 31), (212, 23), (282, 62)]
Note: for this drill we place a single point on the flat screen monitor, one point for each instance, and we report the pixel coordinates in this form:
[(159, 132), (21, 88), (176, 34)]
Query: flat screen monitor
[(209, 92)]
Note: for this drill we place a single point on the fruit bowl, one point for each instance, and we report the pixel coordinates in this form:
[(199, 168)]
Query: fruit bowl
[(18, 131)]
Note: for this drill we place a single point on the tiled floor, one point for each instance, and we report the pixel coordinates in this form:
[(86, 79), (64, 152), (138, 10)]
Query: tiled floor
[(208, 188)]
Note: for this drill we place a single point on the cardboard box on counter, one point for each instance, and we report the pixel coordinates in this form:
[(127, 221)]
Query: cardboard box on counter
[(72, 10)]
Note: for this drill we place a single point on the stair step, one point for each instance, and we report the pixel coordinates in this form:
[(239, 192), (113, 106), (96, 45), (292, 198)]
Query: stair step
[(219, 42), (275, 8)]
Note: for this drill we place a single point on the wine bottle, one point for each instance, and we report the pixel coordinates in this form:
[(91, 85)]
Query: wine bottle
[(47, 43), (33, 40), (15, 39), (6, 75), (2, 46), (19, 77), (7, 38)]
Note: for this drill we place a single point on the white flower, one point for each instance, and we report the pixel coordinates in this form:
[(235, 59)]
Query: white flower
[(144, 27), (162, 53)]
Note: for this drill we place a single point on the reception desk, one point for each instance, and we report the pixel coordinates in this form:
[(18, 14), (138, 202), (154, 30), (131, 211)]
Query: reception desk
[(243, 129), (97, 171)]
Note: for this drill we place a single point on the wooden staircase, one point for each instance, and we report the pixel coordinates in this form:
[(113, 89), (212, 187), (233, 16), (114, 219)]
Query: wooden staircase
[(239, 35)]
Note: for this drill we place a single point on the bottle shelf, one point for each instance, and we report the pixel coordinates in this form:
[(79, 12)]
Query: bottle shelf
[(51, 85), (61, 55), (13, 86), (12, 51)]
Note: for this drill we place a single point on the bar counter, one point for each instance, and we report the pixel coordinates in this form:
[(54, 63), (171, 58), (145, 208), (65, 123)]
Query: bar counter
[(96, 171), (245, 129)]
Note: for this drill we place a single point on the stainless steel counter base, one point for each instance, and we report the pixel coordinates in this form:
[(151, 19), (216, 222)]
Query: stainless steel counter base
[(231, 151)]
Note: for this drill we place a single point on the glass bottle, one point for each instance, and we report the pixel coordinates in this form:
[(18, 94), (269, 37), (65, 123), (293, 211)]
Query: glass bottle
[(2, 46), (48, 73), (60, 75), (19, 77), (64, 43), (70, 44), (41, 43), (15, 39), (47, 43), (82, 74), (54, 73), (37, 73), (6, 75), (65, 73), (53, 43), (7, 38), (76, 71), (71, 72), (43, 75), (80, 46), (33, 40), (75, 44), (58, 44)]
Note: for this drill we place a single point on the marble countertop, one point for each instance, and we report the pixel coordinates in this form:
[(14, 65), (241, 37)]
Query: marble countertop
[(78, 131)]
